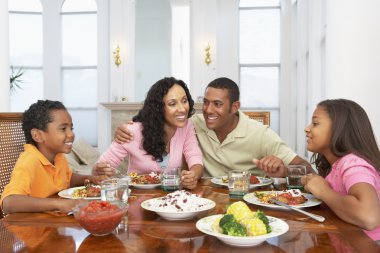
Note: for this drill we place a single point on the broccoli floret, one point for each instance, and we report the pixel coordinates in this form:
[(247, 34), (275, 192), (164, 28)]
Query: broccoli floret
[(261, 215), (225, 219), (235, 229), (230, 226)]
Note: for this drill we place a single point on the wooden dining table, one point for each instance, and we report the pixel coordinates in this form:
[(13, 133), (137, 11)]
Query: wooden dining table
[(145, 231)]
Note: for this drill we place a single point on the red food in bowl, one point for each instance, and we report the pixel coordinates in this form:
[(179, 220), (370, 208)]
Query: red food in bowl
[(100, 217)]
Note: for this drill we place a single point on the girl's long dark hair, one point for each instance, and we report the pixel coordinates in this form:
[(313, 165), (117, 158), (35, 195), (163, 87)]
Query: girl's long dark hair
[(152, 115), (351, 133)]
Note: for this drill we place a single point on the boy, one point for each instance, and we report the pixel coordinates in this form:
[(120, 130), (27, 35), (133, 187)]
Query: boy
[(42, 169)]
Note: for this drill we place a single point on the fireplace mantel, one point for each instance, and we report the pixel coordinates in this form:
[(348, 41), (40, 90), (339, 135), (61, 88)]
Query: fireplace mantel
[(121, 106), (124, 106)]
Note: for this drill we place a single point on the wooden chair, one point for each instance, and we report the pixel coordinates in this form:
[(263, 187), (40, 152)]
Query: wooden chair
[(12, 140), (263, 117)]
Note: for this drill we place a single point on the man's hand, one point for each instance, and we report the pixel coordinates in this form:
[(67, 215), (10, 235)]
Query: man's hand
[(101, 168), (271, 165), (122, 134)]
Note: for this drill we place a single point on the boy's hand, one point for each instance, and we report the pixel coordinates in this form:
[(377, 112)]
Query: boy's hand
[(66, 205), (122, 134)]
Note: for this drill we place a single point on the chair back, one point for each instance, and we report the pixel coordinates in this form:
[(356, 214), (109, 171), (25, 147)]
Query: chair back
[(12, 140), (263, 117)]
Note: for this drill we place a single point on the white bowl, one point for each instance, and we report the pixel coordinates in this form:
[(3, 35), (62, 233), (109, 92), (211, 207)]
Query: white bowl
[(151, 205), (279, 227)]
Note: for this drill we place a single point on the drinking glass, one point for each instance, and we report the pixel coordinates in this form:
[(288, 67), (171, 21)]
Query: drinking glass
[(170, 178), (123, 189), (238, 183), (115, 189), (293, 177)]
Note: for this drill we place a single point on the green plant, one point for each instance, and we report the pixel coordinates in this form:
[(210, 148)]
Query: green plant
[(15, 79)]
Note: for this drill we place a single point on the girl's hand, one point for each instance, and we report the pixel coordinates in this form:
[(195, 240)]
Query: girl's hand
[(188, 179), (315, 184)]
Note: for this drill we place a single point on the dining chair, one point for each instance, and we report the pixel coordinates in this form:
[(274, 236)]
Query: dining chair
[(263, 117), (12, 140)]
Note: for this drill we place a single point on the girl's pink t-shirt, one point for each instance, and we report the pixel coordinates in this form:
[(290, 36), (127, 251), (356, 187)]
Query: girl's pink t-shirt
[(352, 169)]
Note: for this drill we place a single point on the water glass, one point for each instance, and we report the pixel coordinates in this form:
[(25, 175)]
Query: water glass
[(170, 178), (115, 189), (294, 175), (238, 183), (123, 189)]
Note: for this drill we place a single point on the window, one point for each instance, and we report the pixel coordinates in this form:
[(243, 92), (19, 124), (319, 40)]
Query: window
[(259, 56), (79, 65), (25, 42), (67, 43)]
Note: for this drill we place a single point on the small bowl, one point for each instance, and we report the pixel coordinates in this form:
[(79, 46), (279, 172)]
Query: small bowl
[(100, 217)]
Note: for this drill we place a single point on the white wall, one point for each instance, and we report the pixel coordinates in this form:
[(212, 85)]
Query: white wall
[(353, 54), (153, 44)]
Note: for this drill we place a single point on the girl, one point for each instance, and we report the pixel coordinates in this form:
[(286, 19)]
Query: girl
[(348, 161)]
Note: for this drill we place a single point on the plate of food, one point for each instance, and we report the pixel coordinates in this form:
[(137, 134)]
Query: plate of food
[(178, 205), (241, 227), (254, 181), (81, 192), (294, 197), (144, 181)]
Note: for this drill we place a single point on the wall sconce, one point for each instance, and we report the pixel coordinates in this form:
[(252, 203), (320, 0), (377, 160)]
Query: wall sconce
[(207, 57), (116, 56)]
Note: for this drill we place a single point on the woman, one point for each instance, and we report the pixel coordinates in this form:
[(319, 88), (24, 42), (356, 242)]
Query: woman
[(163, 135)]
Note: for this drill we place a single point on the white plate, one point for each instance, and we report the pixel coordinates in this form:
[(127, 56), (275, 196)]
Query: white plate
[(263, 181), (311, 200), (177, 215), (68, 193), (278, 226), (144, 186)]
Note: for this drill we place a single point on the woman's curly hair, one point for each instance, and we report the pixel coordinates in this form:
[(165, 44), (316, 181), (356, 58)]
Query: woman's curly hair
[(39, 116), (152, 115)]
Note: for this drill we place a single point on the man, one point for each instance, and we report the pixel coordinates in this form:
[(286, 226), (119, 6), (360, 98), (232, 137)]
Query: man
[(229, 140)]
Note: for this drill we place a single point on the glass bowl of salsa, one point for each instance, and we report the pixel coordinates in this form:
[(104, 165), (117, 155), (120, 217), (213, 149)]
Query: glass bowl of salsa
[(100, 217)]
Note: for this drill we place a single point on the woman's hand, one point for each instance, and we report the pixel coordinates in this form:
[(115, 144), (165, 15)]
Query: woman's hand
[(189, 179), (98, 179), (102, 168)]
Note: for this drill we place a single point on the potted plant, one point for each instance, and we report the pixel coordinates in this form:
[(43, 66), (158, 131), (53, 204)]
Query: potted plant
[(15, 79)]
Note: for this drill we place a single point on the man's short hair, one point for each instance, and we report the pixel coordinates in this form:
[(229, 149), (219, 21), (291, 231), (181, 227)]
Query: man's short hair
[(229, 85)]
